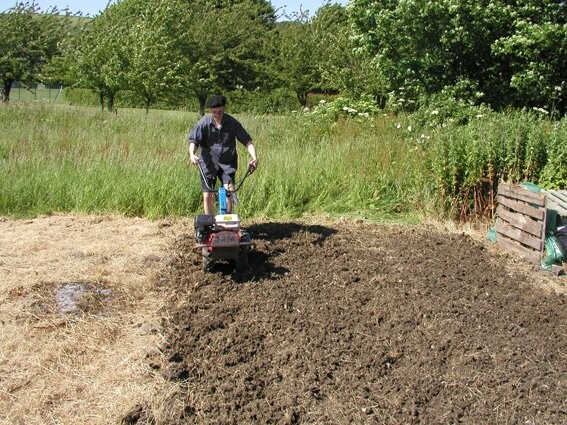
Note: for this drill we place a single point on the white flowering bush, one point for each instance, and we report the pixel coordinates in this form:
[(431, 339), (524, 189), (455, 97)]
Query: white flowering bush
[(342, 107), (449, 108)]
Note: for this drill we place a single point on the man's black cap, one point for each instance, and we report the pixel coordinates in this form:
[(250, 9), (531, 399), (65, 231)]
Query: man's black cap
[(215, 101)]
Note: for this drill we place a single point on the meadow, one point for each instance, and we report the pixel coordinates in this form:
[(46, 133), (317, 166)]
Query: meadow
[(63, 158), (57, 158)]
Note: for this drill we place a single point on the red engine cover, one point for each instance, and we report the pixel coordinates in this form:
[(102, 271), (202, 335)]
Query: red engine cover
[(224, 239)]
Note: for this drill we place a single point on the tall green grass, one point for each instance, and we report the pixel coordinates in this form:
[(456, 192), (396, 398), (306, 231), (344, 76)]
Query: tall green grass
[(56, 158), (79, 159), (60, 158), (347, 167)]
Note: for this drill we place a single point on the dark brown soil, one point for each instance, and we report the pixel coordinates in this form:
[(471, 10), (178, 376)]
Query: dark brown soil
[(365, 324)]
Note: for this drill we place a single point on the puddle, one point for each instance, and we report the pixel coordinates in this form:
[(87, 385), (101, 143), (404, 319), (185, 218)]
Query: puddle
[(76, 297)]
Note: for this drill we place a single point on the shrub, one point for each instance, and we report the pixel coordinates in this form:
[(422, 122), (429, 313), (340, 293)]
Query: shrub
[(342, 107), (278, 101), (554, 173)]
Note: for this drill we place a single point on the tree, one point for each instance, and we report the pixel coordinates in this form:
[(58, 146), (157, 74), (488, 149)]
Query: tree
[(156, 65), (98, 58), (172, 48), (331, 34), (535, 51), (486, 47), (343, 69), (296, 59), (223, 46), (28, 41), (421, 46)]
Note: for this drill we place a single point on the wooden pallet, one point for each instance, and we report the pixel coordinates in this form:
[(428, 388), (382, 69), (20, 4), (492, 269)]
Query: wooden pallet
[(520, 221), (557, 200)]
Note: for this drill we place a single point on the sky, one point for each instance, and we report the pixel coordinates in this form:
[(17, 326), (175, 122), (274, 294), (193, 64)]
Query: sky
[(94, 7)]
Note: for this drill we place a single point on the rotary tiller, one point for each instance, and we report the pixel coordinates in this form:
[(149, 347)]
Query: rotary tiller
[(219, 237)]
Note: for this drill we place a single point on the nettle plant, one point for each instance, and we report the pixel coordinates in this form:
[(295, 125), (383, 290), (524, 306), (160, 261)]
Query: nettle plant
[(468, 161)]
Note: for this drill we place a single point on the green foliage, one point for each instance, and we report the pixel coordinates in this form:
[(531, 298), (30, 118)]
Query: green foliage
[(554, 173), (124, 99), (454, 105), (512, 55), (97, 57), (278, 101), (333, 55), (405, 55), (297, 42), (28, 41), (223, 45), (155, 69), (469, 161), (171, 50), (83, 97), (536, 48)]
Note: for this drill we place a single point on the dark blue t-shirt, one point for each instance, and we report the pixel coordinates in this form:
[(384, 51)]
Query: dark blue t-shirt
[(218, 146)]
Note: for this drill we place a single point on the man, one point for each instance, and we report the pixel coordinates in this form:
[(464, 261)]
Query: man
[(216, 134)]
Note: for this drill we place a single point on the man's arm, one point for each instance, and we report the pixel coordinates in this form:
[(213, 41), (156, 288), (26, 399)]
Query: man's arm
[(252, 151), (193, 152)]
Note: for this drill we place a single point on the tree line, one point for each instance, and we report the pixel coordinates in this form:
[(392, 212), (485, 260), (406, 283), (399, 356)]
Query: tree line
[(402, 54)]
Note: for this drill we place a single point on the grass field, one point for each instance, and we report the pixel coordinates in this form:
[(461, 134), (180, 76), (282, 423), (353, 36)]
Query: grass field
[(58, 158), (61, 158)]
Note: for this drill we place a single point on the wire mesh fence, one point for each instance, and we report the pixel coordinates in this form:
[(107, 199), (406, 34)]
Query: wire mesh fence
[(40, 93)]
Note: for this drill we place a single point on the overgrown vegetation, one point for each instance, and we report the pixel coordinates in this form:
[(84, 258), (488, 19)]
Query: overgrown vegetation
[(336, 160), (399, 54), (380, 108)]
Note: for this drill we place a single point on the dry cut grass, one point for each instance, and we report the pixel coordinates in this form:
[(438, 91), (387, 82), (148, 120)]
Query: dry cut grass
[(90, 366)]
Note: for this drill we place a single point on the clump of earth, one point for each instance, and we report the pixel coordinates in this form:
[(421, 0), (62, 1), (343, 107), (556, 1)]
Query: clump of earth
[(360, 323)]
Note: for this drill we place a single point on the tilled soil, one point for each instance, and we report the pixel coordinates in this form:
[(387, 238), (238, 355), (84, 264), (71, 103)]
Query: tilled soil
[(365, 324)]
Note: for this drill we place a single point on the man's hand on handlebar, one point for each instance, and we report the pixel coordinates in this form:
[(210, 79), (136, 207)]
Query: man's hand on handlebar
[(194, 159), (252, 165)]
